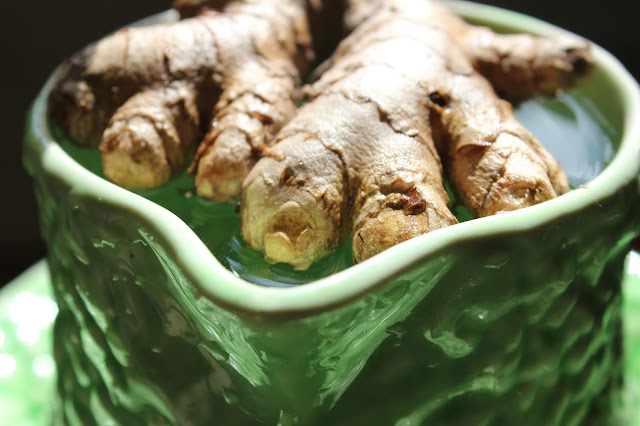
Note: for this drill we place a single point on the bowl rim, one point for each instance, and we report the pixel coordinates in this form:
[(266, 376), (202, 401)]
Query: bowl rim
[(199, 265)]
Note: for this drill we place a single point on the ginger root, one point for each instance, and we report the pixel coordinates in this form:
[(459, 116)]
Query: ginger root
[(404, 90), (409, 96), (146, 94)]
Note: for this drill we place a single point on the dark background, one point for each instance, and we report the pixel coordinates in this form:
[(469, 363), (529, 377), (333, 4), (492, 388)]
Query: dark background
[(36, 35)]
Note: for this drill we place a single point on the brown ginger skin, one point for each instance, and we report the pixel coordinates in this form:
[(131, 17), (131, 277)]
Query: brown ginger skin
[(370, 168), (300, 200), (324, 19), (237, 72), (518, 66), (150, 132)]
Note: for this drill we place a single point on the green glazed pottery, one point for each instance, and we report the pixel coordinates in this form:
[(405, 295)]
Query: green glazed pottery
[(27, 369), (511, 319)]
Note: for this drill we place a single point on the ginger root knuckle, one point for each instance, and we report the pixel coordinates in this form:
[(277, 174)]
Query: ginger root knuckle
[(134, 155), (293, 232), (391, 227), (223, 165), (291, 203), (500, 177)]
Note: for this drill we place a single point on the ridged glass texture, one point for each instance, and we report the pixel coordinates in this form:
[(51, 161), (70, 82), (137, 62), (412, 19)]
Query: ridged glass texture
[(515, 329)]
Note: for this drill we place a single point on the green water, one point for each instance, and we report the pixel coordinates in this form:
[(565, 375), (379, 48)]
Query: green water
[(568, 126)]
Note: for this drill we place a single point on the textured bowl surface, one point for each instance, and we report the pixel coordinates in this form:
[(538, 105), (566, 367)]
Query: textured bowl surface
[(512, 319), (27, 369)]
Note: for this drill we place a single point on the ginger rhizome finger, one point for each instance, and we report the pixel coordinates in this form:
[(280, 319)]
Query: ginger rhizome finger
[(241, 68), (362, 158), (324, 17), (518, 66), (148, 135), (494, 164), (260, 82)]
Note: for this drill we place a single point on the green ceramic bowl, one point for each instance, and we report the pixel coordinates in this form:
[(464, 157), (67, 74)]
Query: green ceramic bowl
[(511, 319)]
